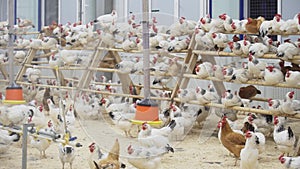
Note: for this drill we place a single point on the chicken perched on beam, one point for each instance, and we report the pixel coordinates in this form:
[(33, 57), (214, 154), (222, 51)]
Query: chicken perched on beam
[(253, 25)]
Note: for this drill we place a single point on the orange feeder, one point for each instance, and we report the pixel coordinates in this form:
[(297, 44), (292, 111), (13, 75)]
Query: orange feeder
[(147, 110), (14, 95)]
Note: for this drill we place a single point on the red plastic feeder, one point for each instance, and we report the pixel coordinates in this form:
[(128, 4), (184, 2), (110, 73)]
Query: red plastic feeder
[(14, 95), (147, 111)]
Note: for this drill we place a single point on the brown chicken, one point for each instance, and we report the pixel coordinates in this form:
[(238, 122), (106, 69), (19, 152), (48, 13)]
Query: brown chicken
[(232, 141), (112, 160), (46, 96), (252, 26), (284, 69), (248, 92)]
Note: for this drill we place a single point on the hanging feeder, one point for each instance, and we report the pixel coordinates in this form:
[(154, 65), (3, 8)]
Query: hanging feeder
[(146, 110)]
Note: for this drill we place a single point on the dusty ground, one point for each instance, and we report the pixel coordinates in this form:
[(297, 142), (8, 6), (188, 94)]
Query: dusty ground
[(189, 153)]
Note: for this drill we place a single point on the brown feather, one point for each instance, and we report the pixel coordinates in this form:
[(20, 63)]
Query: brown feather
[(248, 92), (233, 142)]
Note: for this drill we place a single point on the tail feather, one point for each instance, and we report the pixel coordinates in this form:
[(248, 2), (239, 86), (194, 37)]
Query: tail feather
[(172, 124)]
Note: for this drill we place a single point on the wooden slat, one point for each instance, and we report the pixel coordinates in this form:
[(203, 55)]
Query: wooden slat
[(245, 109), (225, 54), (253, 82)]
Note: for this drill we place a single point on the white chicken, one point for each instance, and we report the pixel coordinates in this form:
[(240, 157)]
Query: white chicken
[(256, 67), (236, 47), (24, 22), (148, 137), (292, 78), (19, 56), (35, 43), (6, 138), (228, 22), (146, 158), (125, 66), (186, 95), (123, 122), (272, 75), (290, 162), (290, 105), (213, 25), (217, 72), (287, 50), (258, 50), (178, 45), (15, 115), (69, 57), (228, 99), (55, 61), (245, 45), (249, 154), (268, 27), (204, 70), (66, 154), (107, 38), (39, 118), (220, 40), (54, 111), (32, 75), (105, 20), (49, 43), (290, 26), (274, 104), (284, 138), (41, 144)]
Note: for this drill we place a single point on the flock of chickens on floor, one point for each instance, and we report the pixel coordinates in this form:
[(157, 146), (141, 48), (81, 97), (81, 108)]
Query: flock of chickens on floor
[(247, 146), (246, 143)]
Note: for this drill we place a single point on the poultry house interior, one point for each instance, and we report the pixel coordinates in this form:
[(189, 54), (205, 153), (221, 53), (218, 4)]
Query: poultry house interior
[(222, 79)]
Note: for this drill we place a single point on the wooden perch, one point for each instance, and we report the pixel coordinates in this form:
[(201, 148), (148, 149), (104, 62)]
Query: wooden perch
[(244, 109), (231, 54), (253, 82)]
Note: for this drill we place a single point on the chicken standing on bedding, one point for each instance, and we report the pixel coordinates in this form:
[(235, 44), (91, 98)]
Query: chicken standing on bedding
[(249, 154), (284, 138), (232, 141)]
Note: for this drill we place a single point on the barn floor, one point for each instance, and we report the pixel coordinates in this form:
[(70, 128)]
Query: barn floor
[(189, 153)]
